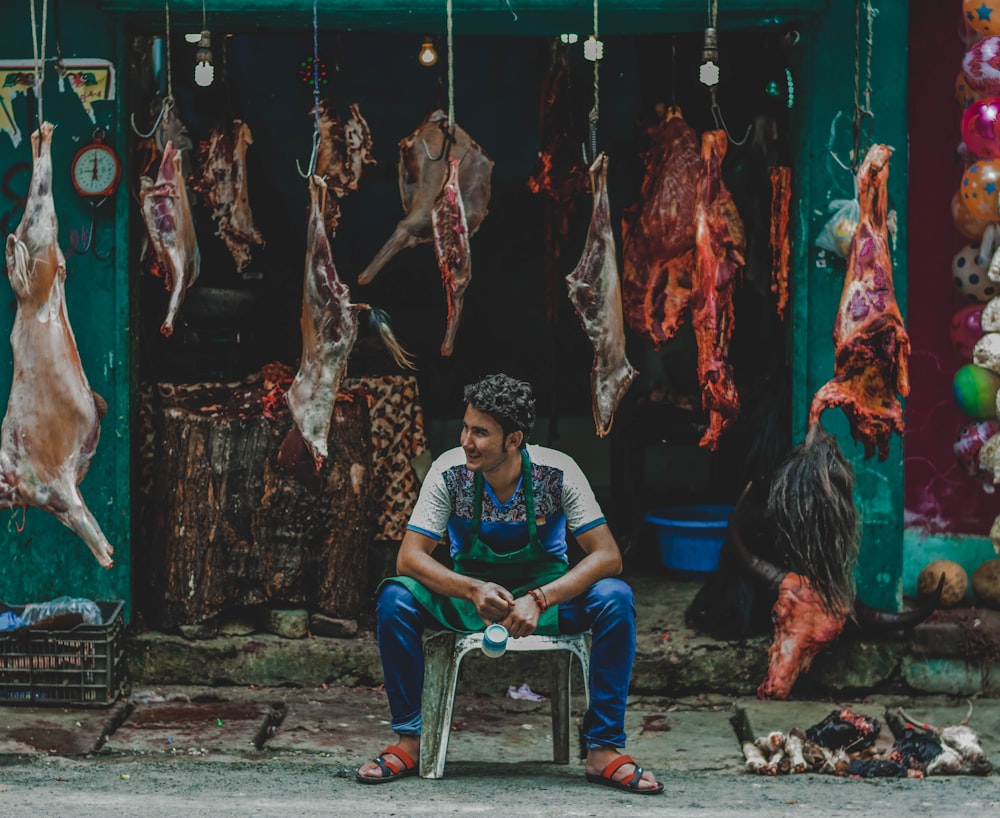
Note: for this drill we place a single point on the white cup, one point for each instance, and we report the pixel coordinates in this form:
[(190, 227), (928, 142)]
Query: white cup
[(494, 640)]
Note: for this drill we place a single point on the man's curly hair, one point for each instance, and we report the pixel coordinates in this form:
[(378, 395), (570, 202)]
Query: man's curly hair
[(507, 400)]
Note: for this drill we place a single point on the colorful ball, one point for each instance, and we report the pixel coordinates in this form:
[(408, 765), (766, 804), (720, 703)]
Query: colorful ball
[(968, 270), (966, 328), (981, 65), (975, 389), (980, 127), (982, 15), (971, 438), (970, 226), (964, 95), (980, 188)]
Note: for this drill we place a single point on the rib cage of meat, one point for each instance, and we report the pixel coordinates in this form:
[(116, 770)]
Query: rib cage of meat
[(720, 245), (222, 182), (329, 328), (871, 347), (658, 234), (52, 424), (596, 295), (170, 225), (451, 246), (423, 170)]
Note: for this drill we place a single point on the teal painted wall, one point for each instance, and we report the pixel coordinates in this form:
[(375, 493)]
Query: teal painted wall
[(45, 559), (826, 88)]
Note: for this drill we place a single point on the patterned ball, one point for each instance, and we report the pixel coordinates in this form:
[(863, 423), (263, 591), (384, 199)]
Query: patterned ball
[(964, 95), (970, 442), (980, 188), (970, 226), (956, 581), (982, 15), (975, 389), (980, 127), (981, 65), (968, 270), (966, 328)]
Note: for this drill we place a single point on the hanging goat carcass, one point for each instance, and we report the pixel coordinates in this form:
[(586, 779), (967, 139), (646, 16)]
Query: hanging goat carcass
[(52, 423)]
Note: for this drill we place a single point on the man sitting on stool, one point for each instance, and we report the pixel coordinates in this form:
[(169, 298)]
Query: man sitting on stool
[(506, 508)]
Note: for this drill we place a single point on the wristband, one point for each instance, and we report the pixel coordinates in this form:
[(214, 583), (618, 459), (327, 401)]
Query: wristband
[(539, 597)]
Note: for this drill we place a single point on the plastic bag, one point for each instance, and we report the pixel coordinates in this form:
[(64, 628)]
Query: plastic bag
[(38, 611), (839, 229)]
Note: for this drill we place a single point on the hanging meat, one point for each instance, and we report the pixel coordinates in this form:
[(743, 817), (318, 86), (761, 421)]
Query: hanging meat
[(871, 347), (329, 328), (596, 295), (167, 212), (451, 246), (781, 199), (222, 182), (423, 173), (720, 245), (658, 233), (52, 424), (344, 149)]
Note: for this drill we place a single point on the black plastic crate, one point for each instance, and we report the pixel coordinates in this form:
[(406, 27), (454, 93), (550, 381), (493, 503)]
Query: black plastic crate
[(78, 666)]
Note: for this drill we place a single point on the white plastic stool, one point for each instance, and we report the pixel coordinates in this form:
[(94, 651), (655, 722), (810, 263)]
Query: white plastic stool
[(443, 654)]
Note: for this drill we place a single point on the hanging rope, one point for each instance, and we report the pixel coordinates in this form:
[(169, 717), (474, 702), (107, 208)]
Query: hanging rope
[(862, 112), (451, 67), (316, 131), (38, 56), (166, 36), (595, 112)]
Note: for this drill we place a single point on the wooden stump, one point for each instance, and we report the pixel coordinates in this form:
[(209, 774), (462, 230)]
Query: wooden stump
[(223, 526)]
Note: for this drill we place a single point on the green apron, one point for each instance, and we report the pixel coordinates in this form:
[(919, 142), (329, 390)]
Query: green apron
[(529, 567)]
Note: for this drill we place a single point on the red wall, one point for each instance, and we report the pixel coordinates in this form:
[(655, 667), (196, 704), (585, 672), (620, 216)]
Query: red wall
[(939, 495)]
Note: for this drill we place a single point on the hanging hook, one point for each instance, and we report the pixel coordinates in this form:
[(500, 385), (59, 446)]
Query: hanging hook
[(721, 123), (312, 157), (167, 102), (449, 139), (90, 234)]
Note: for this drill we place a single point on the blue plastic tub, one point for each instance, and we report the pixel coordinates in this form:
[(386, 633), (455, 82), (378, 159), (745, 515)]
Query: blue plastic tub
[(690, 537)]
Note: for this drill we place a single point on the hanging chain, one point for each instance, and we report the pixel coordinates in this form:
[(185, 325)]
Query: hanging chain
[(39, 57), (166, 36), (451, 67), (595, 112)]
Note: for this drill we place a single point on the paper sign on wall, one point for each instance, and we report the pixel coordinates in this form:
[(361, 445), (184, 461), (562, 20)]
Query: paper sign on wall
[(91, 79)]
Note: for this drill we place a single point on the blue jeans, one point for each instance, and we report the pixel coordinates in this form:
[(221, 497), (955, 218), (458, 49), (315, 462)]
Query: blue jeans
[(607, 610)]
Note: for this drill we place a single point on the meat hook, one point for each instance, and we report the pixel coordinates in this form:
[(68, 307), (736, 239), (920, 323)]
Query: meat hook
[(168, 102), (449, 138), (312, 157)]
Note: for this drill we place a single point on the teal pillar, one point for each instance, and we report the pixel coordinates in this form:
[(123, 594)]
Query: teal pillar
[(825, 93)]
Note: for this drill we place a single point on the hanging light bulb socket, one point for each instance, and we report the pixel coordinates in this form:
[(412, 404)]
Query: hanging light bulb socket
[(204, 71), (428, 55), (708, 73), (593, 49)]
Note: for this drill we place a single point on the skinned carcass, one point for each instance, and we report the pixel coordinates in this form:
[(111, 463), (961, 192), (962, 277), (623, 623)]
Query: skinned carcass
[(329, 329), (872, 348), (167, 212), (811, 506), (720, 245), (52, 424), (658, 233), (222, 182), (451, 247), (344, 148), (596, 296), (424, 172)]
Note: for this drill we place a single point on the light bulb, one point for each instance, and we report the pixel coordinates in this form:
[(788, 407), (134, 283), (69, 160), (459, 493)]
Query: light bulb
[(568, 39), (204, 74), (428, 56), (193, 37)]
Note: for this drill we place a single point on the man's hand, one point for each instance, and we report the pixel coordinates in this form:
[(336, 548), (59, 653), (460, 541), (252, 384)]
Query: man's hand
[(493, 602), (523, 617)]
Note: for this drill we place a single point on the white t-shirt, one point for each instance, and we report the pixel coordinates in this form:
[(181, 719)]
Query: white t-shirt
[(564, 501)]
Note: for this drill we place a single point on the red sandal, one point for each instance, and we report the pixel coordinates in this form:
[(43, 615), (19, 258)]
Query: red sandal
[(390, 772), (629, 783)]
